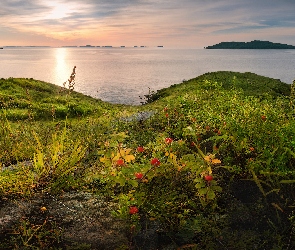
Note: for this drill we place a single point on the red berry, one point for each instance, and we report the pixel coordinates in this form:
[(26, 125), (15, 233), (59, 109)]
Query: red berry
[(133, 210), (155, 162), (168, 140), (208, 177), (263, 117), (138, 175), (252, 149), (120, 162), (140, 149), (166, 115)]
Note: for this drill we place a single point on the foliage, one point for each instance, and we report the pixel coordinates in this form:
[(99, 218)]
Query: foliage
[(23, 99), (27, 235), (189, 166)]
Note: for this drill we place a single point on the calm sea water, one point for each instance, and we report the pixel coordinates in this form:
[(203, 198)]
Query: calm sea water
[(121, 75)]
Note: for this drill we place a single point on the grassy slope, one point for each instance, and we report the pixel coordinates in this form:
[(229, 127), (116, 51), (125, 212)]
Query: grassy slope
[(36, 105), (42, 101), (252, 84)]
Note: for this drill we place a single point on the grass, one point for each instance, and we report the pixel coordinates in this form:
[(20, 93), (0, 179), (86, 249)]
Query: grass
[(237, 127)]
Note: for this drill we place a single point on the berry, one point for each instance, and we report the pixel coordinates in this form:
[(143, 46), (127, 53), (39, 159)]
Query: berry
[(133, 210), (263, 117), (168, 140), (120, 162), (155, 162), (252, 149), (138, 175), (167, 115), (208, 177), (140, 149)]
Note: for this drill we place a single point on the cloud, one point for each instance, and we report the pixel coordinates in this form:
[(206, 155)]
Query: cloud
[(170, 21)]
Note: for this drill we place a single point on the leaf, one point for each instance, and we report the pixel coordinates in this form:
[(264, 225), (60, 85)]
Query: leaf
[(134, 183), (172, 156), (202, 191), (200, 185), (124, 152), (277, 207), (217, 188), (129, 158), (216, 161), (103, 159), (207, 158), (287, 181), (209, 170), (257, 181), (121, 180), (198, 180), (210, 195)]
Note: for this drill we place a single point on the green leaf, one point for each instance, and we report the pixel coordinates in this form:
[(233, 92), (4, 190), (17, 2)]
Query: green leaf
[(199, 180), (202, 191), (121, 180), (211, 194), (216, 188), (200, 185), (287, 181), (134, 183)]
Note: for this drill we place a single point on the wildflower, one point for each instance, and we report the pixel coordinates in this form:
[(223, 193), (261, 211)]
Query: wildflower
[(120, 162), (155, 162), (133, 210), (140, 149)]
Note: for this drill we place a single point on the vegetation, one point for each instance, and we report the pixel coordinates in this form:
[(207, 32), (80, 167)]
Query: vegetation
[(213, 165), (256, 44)]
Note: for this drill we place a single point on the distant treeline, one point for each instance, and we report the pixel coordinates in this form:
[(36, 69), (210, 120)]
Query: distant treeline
[(256, 44)]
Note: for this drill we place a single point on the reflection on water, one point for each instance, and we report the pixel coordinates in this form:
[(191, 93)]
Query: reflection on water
[(61, 72)]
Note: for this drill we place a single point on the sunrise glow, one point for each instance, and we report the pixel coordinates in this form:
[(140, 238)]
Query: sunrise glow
[(187, 23)]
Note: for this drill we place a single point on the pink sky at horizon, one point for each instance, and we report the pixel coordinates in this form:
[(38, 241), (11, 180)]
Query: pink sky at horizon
[(185, 24)]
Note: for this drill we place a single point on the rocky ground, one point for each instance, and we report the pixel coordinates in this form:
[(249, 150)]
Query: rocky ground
[(85, 219)]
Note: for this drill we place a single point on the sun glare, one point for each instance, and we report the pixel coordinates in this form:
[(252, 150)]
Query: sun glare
[(61, 69), (58, 11)]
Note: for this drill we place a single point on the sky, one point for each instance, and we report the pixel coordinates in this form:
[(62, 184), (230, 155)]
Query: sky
[(170, 23)]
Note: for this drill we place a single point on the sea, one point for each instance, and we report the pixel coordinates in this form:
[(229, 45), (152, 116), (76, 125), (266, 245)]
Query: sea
[(122, 75)]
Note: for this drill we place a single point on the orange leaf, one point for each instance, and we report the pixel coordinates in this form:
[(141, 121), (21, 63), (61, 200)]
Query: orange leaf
[(216, 161)]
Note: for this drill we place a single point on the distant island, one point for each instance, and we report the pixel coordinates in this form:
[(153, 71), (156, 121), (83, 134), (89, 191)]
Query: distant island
[(256, 44)]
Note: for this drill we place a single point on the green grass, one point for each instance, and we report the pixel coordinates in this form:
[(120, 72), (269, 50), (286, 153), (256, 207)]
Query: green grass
[(241, 119)]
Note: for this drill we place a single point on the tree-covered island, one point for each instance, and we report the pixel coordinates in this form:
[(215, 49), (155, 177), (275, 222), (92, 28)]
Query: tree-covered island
[(256, 44)]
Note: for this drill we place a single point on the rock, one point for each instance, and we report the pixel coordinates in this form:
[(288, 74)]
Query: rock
[(85, 218)]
